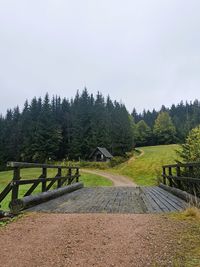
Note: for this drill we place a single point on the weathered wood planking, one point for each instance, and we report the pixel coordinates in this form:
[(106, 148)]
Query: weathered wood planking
[(114, 200)]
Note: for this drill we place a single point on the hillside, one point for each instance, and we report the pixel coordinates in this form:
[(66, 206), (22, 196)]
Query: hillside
[(145, 168)]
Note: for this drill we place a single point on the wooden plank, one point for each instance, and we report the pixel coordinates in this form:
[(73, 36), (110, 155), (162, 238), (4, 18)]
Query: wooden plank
[(149, 208), (172, 204), (187, 179), (178, 201), (151, 200), (38, 180), (32, 188), (193, 164), (159, 201), (6, 191), (37, 165)]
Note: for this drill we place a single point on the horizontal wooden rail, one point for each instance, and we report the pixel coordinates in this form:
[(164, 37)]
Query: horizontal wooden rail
[(192, 164), (182, 178), (39, 180), (37, 165)]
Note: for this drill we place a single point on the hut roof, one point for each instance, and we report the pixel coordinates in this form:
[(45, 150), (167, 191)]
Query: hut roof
[(104, 151)]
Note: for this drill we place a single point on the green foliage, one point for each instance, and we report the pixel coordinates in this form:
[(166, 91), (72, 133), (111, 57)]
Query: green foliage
[(164, 130), (185, 116), (116, 161), (143, 133), (190, 151)]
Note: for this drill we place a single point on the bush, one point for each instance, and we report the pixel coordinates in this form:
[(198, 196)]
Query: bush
[(117, 160), (190, 151)]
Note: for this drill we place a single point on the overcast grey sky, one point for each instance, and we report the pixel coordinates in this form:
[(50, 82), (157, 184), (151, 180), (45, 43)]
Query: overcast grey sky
[(143, 52)]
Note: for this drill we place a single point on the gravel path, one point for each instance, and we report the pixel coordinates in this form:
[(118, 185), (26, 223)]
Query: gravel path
[(100, 240), (118, 180)]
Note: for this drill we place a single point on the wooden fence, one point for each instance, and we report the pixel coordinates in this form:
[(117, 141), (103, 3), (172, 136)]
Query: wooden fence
[(47, 183), (184, 176)]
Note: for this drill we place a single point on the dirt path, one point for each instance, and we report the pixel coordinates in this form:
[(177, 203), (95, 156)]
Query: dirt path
[(131, 160), (100, 240), (118, 180)]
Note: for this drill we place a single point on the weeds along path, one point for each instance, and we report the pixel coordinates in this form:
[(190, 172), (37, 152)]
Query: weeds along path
[(118, 180)]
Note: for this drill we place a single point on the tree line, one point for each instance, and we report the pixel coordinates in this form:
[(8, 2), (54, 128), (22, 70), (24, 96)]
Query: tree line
[(57, 129), (168, 125)]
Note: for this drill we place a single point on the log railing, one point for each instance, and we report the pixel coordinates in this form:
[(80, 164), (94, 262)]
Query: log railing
[(184, 176), (47, 183)]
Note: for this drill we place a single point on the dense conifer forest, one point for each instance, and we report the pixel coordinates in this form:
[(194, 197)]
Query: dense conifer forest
[(57, 129), (60, 129)]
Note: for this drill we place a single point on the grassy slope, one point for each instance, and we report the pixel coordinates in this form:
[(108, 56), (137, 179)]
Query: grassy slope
[(5, 177), (145, 169)]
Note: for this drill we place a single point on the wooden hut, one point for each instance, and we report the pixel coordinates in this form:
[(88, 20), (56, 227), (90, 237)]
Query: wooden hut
[(100, 154)]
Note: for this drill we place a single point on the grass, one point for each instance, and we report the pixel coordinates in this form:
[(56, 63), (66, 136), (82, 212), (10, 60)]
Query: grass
[(89, 180), (145, 168), (188, 254)]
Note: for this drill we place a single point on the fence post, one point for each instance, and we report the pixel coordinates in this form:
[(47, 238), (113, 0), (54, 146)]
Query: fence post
[(16, 177), (191, 171), (59, 174), (44, 175), (170, 179), (77, 175), (164, 175), (69, 176), (178, 173)]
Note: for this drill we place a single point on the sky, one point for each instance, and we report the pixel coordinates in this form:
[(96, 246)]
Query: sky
[(144, 53)]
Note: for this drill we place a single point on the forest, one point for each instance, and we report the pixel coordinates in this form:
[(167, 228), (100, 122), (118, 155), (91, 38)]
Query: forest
[(167, 125), (56, 129)]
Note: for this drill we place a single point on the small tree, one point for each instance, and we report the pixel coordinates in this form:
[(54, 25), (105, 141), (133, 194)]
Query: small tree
[(143, 133), (164, 129), (190, 151)]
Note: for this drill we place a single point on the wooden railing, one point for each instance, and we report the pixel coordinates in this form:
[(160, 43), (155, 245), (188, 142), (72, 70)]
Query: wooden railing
[(47, 183), (185, 176)]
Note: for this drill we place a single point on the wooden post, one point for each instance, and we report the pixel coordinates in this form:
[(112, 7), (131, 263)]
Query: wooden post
[(164, 175), (77, 173), (170, 179), (59, 174), (44, 175), (70, 176), (16, 177), (178, 173), (191, 171)]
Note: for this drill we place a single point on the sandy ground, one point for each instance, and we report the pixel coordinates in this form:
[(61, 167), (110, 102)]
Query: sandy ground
[(100, 240), (118, 180)]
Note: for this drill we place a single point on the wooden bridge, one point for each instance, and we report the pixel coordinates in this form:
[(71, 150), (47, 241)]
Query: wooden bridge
[(114, 200), (71, 197)]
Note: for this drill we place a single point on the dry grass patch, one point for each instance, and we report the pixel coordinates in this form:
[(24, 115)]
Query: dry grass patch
[(188, 254)]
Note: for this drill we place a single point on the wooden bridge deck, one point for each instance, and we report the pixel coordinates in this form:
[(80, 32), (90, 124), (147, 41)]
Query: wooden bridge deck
[(114, 200)]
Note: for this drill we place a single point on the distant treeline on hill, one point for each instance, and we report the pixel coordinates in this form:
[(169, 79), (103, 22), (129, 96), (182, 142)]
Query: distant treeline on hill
[(168, 125), (59, 129)]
